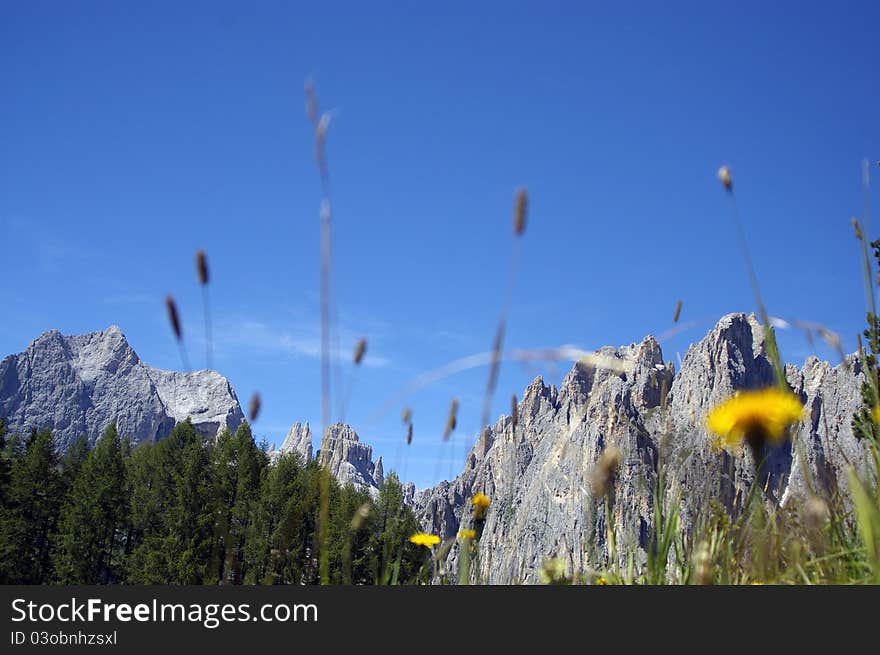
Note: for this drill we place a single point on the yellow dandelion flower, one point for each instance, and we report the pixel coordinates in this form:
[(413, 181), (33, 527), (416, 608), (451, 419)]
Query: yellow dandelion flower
[(754, 416), (424, 539), (602, 580), (467, 534), (481, 504)]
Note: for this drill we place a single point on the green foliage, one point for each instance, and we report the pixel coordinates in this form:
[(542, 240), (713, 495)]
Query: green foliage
[(30, 518), (280, 544), (665, 532), (172, 512), (4, 468), (186, 511), (72, 461), (89, 546), (390, 527), (237, 465), (863, 424)]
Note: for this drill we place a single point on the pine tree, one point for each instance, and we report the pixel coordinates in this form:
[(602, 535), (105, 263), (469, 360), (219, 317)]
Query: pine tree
[(72, 461), (149, 490), (172, 511), (189, 519), (89, 542), (280, 542), (183, 511), (5, 466), (4, 469), (29, 523), (237, 466), (391, 525), (349, 538)]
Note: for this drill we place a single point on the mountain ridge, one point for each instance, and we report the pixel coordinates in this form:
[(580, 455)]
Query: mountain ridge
[(79, 384), (539, 471)]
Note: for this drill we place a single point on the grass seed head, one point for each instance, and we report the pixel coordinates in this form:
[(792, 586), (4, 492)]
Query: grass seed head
[(677, 314), (519, 212), (311, 102), (359, 351), (409, 434), (406, 416), (254, 408), (514, 411), (451, 420), (857, 228), (173, 317), (816, 513), (725, 178), (202, 267), (360, 516), (606, 469)]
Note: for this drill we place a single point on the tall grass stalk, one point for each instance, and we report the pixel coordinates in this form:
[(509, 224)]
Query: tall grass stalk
[(769, 333), (320, 122), (203, 277), (519, 221)]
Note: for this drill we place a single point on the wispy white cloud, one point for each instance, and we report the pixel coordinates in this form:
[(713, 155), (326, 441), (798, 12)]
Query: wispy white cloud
[(302, 341)]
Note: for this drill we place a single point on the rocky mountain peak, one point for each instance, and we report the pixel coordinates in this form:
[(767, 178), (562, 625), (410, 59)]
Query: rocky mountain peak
[(298, 440), (731, 356), (348, 459), (80, 384), (537, 398), (106, 352)]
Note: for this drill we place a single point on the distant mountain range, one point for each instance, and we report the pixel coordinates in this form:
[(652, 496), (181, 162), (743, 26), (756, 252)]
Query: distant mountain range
[(538, 473)]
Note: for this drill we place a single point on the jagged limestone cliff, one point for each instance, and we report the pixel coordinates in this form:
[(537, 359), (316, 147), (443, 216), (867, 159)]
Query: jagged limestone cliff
[(539, 473), (348, 458)]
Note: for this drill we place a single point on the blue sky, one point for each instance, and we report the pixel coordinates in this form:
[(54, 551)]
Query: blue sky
[(134, 133)]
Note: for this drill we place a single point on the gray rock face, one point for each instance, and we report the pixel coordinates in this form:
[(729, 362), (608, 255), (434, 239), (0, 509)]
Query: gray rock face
[(539, 474), (349, 459), (80, 384), (831, 395), (298, 440)]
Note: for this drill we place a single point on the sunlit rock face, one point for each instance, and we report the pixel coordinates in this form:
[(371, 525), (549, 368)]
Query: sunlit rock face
[(78, 385), (298, 440), (348, 458)]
